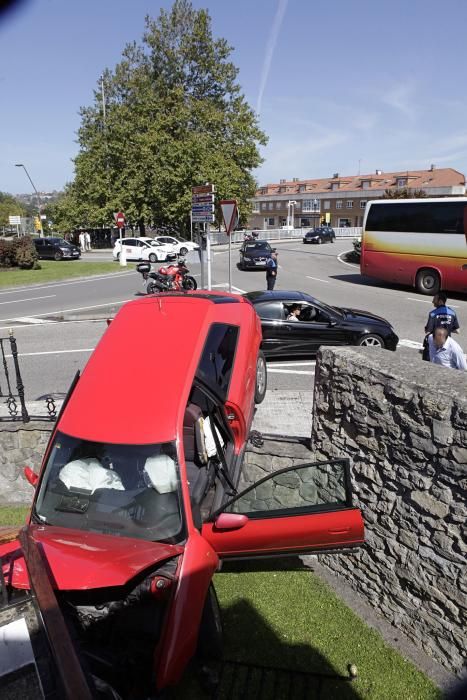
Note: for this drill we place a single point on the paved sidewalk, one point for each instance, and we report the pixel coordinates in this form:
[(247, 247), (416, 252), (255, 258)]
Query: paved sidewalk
[(285, 412)]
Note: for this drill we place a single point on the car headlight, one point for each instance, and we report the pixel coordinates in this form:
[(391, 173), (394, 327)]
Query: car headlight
[(247, 257)]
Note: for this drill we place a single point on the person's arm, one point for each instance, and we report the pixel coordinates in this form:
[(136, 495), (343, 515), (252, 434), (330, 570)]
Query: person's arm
[(455, 324), (431, 348), (429, 324), (459, 356)]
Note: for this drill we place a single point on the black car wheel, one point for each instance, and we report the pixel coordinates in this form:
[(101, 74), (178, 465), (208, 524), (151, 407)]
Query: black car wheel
[(261, 378), (118, 257), (427, 282), (183, 251), (58, 255), (319, 241), (333, 239), (371, 341), (153, 258)]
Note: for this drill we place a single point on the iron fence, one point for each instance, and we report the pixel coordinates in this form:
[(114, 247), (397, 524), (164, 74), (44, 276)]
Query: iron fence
[(12, 393), (278, 234)]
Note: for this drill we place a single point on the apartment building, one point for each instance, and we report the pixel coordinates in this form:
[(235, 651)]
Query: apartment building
[(341, 200)]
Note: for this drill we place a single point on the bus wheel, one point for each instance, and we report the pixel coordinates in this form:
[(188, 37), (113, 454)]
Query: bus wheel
[(427, 282)]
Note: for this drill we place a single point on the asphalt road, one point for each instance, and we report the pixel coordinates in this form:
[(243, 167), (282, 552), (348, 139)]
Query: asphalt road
[(52, 351)]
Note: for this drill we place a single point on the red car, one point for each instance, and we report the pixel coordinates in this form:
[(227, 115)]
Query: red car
[(136, 503)]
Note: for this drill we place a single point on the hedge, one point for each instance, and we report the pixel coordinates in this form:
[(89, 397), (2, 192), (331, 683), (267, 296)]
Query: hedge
[(19, 252)]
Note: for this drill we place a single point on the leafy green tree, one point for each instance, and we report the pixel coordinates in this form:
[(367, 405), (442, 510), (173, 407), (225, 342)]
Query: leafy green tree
[(9, 206), (404, 193), (175, 117)]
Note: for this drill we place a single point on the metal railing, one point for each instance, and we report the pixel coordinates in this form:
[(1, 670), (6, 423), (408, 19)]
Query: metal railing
[(278, 234), (12, 393)]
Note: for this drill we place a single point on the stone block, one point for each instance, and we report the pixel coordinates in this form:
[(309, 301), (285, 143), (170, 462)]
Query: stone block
[(430, 504), (443, 432)]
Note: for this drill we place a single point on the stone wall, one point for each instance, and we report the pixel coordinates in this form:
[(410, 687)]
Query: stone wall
[(404, 424), (21, 444)]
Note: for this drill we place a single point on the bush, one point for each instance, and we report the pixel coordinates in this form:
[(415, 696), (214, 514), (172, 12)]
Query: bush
[(354, 255), (20, 252)]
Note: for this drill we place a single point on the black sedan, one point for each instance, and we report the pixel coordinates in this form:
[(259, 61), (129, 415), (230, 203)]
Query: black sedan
[(254, 255), (320, 234), (295, 323), (56, 249)]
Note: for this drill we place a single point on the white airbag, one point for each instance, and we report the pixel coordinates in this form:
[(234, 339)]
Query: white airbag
[(89, 475), (162, 473)]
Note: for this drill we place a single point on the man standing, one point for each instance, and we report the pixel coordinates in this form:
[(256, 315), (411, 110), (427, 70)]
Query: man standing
[(441, 315), (87, 239), (82, 241), (445, 351), (271, 271)]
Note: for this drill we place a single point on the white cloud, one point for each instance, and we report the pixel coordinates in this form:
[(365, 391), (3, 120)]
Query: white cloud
[(270, 48), (399, 98)]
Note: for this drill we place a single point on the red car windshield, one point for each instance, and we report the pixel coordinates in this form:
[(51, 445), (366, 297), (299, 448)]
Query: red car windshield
[(126, 490)]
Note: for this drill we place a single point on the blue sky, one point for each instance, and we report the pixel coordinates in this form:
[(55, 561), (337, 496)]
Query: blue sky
[(336, 81)]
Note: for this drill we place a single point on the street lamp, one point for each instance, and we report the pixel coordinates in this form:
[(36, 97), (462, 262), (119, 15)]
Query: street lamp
[(20, 165), (291, 205)]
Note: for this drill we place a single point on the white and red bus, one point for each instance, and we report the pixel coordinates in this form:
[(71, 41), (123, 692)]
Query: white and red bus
[(418, 242)]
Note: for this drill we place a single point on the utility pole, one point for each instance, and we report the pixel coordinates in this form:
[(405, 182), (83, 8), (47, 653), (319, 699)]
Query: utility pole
[(20, 165)]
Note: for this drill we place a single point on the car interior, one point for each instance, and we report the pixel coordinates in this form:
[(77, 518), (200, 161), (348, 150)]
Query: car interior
[(308, 313)]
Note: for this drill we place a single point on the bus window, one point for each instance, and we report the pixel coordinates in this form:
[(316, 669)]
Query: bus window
[(419, 217)]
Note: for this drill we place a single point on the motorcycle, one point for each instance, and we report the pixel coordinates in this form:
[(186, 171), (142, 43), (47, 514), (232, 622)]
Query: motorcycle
[(168, 278), (250, 236)]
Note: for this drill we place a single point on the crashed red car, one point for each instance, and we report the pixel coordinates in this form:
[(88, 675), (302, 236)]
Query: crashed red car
[(136, 503)]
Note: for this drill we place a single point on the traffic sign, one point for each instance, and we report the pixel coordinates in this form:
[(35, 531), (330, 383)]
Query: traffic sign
[(201, 198), (120, 219), (202, 189), (14, 220), (207, 208), (202, 218), (229, 214)]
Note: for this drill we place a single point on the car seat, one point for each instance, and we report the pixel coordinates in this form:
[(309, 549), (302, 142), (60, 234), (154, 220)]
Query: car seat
[(196, 458)]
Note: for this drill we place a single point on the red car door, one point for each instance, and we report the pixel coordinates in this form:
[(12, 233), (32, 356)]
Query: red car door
[(304, 508)]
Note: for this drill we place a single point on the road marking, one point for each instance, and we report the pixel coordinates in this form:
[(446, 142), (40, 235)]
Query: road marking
[(344, 262), (226, 284), (292, 364), (18, 301), (51, 352), (289, 371), (66, 311), (410, 343), (96, 278), (425, 301), (30, 320), (318, 279)]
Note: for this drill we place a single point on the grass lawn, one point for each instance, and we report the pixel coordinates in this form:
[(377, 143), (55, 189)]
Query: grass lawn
[(52, 270), (292, 619)]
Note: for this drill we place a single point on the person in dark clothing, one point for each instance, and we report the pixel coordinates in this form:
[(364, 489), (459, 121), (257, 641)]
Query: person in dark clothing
[(442, 316), (271, 271)]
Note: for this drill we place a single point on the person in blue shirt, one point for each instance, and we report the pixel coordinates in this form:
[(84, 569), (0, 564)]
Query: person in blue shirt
[(442, 316), (271, 271), (444, 350)]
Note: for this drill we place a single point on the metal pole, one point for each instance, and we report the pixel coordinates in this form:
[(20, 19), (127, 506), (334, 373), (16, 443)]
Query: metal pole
[(104, 113), (208, 251), (21, 165), (201, 254), (19, 381), (230, 262), (191, 225)]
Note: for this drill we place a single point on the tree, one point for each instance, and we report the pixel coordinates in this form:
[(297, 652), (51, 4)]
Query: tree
[(9, 206), (175, 117), (404, 193)]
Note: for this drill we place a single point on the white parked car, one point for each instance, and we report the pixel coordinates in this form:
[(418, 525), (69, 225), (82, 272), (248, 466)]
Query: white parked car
[(177, 246), (143, 249)]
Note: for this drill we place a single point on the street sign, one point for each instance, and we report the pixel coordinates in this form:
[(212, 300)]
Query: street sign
[(201, 198), (202, 208), (14, 220), (229, 214), (202, 218), (120, 219), (202, 189)]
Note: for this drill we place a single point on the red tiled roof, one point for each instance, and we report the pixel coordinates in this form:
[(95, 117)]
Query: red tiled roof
[(442, 177)]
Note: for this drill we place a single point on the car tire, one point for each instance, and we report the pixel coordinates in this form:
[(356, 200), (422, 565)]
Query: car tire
[(183, 251), (58, 256), (371, 340), (152, 257), (319, 241), (261, 379), (210, 637), (118, 257), (428, 281), (333, 239)]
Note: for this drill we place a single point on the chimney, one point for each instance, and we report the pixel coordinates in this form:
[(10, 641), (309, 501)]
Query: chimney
[(432, 167), (295, 179), (335, 175), (379, 172), (281, 182)]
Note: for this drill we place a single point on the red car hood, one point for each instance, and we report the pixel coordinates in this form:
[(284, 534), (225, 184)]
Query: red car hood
[(83, 560)]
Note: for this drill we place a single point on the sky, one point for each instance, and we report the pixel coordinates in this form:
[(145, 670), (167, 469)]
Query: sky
[(342, 86)]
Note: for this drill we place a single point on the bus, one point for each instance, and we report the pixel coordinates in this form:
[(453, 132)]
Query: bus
[(417, 242)]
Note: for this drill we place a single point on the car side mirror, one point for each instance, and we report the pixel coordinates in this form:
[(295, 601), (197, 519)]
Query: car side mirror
[(332, 322), (230, 521), (31, 476)]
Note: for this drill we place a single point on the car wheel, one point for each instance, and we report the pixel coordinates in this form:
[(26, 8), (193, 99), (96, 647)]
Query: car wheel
[(427, 282), (319, 241), (210, 638), (153, 258), (261, 378), (333, 239), (118, 257), (371, 341), (58, 255), (183, 251)]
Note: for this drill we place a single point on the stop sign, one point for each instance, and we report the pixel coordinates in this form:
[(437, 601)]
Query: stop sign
[(120, 219)]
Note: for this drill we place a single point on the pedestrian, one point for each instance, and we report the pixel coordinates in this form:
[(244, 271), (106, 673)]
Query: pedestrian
[(87, 238), (444, 350), (82, 241), (271, 271), (441, 315)]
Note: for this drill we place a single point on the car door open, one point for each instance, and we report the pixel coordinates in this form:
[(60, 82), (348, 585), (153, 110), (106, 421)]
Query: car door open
[(300, 509)]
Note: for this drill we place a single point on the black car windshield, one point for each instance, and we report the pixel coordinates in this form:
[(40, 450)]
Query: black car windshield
[(125, 490), (259, 245), (58, 241), (331, 310)]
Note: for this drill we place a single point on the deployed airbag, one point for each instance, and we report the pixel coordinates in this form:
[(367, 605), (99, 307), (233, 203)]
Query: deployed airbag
[(89, 475), (162, 473)]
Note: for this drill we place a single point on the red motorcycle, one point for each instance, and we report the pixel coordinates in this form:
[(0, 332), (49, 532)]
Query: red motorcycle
[(170, 278)]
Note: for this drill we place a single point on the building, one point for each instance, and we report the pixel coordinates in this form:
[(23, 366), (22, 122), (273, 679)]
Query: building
[(341, 200)]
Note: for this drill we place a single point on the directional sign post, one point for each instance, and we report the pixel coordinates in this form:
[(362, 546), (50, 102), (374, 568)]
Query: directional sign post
[(229, 214), (14, 220), (202, 212), (120, 221)]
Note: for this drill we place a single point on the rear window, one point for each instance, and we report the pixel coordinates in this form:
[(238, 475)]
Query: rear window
[(429, 217), (217, 359)]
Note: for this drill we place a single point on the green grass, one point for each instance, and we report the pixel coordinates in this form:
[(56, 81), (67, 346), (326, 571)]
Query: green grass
[(292, 619), (52, 270)]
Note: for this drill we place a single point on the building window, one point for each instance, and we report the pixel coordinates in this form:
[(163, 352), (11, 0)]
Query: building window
[(279, 205), (344, 223), (270, 205), (349, 204), (339, 204), (302, 188), (269, 221), (335, 185), (305, 222), (255, 206), (366, 184), (310, 205), (263, 205), (362, 203), (282, 221), (401, 181), (327, 204)]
